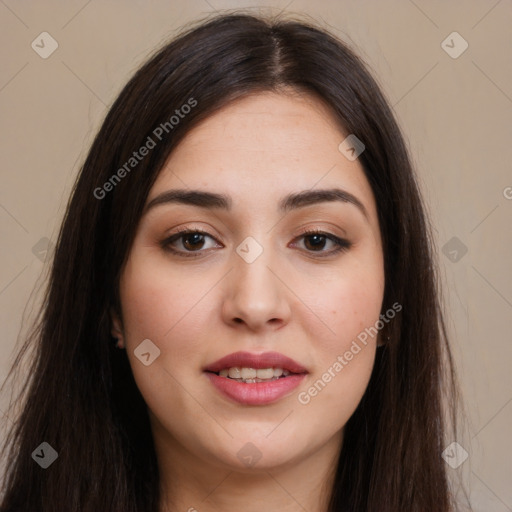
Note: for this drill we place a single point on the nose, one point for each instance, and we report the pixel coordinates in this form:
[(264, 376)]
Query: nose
[(255, 295)]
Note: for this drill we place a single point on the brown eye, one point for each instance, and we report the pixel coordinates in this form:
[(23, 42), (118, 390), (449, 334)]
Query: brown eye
[(187, 242), (193, 241), (315, 242)]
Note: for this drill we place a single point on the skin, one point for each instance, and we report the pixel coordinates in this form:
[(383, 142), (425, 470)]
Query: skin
[(290, 300)]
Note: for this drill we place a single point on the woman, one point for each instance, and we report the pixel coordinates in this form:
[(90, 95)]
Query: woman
[(243, 309)]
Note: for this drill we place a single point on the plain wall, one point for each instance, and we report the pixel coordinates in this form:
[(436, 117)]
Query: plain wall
[(455, 113)]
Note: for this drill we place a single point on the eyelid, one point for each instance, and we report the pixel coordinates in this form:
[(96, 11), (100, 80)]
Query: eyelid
[(342, 244), (178, 233)]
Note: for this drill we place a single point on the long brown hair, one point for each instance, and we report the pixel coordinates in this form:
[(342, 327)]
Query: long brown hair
[(81, 397)]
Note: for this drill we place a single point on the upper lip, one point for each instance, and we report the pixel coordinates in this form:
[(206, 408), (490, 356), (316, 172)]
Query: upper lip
[(256, 361)]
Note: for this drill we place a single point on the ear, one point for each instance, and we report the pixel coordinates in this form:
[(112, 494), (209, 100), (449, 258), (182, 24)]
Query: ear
[(116, 328)]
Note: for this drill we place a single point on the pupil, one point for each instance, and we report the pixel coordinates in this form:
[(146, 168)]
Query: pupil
[(196, 239), (319, 241)]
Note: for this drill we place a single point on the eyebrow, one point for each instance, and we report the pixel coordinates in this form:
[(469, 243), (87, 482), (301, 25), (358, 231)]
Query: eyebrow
[(212, 200)]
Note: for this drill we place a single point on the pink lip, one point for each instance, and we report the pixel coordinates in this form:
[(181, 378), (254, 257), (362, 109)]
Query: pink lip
[(257, 393), (257, 361)]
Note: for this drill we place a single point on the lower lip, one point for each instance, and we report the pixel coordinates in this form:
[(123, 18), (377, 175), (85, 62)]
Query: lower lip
[(257, 393)]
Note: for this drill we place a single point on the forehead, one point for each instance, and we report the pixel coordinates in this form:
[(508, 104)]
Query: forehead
[(266, 123), (263, 145)]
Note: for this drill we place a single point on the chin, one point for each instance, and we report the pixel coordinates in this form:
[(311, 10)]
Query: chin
[(254, 454)]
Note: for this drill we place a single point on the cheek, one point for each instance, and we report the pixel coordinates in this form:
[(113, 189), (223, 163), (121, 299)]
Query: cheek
[(351, 305), (355, 307), (171, 310), (157, 300), (354, 312)]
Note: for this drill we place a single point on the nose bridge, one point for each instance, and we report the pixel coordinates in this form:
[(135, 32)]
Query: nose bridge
[(256, 296), (253, 278)]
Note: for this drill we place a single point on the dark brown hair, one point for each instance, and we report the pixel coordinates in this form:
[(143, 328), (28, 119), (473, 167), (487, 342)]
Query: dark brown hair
[(81, 397)]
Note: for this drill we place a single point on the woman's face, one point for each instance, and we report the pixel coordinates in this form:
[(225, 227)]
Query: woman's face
[(247, 279)]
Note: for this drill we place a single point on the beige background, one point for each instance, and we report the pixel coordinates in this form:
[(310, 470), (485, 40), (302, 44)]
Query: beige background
[(455, 113)]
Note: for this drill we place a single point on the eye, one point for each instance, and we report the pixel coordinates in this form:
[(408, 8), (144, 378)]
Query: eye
[(192, 242), (316, 241), (186, 242)]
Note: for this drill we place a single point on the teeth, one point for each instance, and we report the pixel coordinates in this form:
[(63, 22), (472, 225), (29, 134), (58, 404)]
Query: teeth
[(247, 373), (235, 373), (252, 375), (266, 373), (252, 381)]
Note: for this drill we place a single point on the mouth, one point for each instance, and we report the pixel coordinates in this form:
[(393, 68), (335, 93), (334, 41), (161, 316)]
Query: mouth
[(250, 362), (255, 379), (253, 375)]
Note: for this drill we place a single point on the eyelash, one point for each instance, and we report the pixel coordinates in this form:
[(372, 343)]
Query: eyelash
[(342, 245)]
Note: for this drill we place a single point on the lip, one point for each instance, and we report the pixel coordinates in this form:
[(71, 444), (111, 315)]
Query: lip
[(257, 393), (256, 361)]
